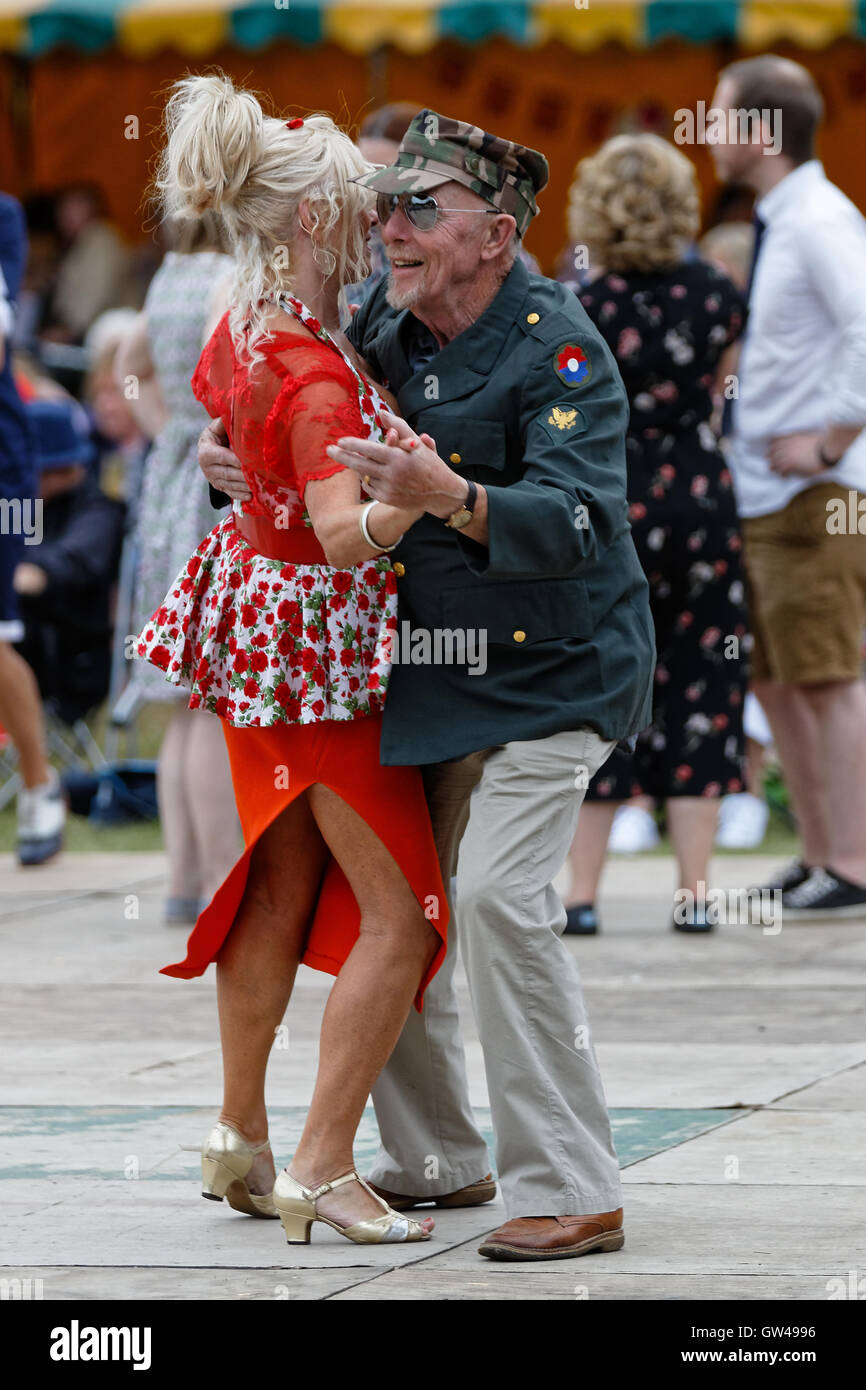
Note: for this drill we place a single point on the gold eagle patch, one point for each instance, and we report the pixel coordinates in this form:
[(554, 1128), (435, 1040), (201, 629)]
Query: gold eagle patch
[(563, 419)]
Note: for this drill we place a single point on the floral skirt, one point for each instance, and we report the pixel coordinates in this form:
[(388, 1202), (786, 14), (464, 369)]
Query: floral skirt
[(260, 641)]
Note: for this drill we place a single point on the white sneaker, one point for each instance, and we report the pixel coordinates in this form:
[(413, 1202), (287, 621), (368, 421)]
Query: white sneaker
[(633, 830), (742, 821), (41, 818)]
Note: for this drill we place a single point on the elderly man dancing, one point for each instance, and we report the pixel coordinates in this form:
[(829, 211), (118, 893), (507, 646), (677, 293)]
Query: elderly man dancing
[(511, 454)]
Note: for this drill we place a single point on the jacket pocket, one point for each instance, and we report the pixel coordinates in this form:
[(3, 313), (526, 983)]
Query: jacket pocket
[(520, 613), (465, 444)]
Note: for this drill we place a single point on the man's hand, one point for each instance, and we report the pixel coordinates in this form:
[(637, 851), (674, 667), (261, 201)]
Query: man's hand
[(796, 455), (405, 471), (219, 465), (29, 579)]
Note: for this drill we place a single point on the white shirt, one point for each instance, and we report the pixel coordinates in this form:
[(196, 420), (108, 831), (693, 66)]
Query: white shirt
[(7, 316), (803, 359)]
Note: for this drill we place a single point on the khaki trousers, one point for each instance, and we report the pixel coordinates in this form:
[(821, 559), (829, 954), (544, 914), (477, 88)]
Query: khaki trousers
[(512, 812)]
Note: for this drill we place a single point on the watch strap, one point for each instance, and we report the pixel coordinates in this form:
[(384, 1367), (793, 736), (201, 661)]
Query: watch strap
[(467, 506)]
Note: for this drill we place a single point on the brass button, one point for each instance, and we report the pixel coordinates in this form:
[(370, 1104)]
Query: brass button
[(519, 636), (532, 318), (399, 568), (455, 458)]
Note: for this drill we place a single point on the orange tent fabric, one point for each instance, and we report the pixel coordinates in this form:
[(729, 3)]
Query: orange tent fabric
[(553, 98)]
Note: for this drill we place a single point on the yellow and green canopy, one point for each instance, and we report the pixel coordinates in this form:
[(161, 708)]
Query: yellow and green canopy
[(31, 28)]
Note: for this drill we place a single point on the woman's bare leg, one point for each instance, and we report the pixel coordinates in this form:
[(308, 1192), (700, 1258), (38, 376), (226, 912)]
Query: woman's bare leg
[(210, 801), (257, 965), (692, 824), (368, 1005), (184, 880), (589, 849), (21, 716)]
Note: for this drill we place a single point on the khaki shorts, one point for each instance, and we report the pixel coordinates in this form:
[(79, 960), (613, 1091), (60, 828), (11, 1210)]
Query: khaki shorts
[(807, 590)]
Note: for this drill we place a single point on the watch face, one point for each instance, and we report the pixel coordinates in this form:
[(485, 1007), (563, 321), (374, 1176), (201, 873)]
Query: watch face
[(459, 519)]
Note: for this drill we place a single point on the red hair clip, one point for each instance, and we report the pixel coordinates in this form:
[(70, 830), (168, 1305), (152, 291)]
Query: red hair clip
[(294, 123)]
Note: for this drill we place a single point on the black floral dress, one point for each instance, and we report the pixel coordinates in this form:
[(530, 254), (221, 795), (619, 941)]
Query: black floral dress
[(668, 331)]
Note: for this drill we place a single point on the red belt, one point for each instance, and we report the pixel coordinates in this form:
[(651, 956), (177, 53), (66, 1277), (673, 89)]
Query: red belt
[(299, 546)]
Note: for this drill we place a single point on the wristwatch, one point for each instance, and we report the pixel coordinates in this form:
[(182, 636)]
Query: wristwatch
[(463, 515), (827, 463)]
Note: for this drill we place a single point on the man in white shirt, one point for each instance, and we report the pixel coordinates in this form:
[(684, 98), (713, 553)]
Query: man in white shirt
[(798, 459)]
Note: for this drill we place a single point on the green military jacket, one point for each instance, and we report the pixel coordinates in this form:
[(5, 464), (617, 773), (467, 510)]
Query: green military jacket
[(553, 615)]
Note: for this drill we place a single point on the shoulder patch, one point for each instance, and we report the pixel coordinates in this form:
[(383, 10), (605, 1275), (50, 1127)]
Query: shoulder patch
[(562, 421), (571, 365)]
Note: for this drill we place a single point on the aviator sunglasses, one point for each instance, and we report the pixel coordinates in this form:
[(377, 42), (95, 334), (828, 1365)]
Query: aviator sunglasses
[(421, 209)]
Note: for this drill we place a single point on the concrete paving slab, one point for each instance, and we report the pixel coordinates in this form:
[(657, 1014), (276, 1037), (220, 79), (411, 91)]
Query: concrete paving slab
[(564, 1282), (714, 1075), (738, 1019), (728, 1230), (770, 1147), (167, 1224), (62, 1283), (847, 1091)]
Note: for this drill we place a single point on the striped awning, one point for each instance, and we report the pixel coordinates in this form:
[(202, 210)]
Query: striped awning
[(198, 27)]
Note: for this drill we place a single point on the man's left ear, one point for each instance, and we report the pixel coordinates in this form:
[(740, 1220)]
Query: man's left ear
[(500, 230)]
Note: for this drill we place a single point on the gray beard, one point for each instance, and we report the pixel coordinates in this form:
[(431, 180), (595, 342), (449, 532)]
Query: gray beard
[(401, 299)]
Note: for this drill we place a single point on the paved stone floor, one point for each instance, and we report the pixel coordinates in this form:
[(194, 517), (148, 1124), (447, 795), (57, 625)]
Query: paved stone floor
[(735, 1066)]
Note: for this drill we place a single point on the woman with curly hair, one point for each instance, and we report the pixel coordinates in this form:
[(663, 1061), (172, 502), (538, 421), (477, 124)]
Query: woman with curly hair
[(668, 319), (280, 623)]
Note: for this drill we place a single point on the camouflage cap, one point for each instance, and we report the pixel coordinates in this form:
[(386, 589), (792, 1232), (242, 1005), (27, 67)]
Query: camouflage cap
[(436, 149)]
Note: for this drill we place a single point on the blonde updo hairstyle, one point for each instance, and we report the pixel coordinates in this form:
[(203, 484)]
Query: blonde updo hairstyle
[(635, 204), (223, 154)]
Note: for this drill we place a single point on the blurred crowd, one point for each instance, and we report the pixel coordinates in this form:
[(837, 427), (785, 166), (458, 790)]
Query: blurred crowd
[(99, 422)]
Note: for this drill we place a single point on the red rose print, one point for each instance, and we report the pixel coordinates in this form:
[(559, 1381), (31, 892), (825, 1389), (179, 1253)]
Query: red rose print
[(308, 658), (342, 582), (241, 662), (160, 656), (258, 661), (319, 708), (250, 687), (249, 615)]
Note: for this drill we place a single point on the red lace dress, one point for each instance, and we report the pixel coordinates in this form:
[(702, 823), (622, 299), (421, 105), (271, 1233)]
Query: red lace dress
[(292, 653)]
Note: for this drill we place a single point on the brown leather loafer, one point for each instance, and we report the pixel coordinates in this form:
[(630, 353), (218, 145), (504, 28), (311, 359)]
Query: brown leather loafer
[(555, 1237), (474, 1195)]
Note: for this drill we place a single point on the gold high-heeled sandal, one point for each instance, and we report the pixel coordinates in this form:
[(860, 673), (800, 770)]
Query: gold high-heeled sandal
[(296, 1207), (226, 1159)]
